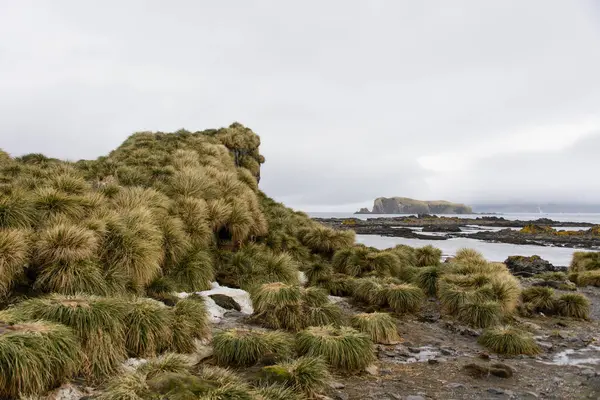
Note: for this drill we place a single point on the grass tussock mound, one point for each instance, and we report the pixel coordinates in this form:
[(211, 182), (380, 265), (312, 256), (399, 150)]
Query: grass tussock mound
[(35, 356), (242, 347), (509, 341), (306, 374), (380, 327), (574, 305), (342, 348)]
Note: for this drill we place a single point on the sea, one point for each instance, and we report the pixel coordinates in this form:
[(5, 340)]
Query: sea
[(558, 256)]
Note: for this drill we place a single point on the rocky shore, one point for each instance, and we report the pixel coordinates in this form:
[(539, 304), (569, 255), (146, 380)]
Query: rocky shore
[(539, 232)]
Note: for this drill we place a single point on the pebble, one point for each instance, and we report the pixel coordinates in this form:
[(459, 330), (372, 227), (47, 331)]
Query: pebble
[(412, 397), (432, 361), (456, 385), (495, 391), (446, 351), (414, 350), (528, 395), (545, 345), (372, 369), (337, 385)]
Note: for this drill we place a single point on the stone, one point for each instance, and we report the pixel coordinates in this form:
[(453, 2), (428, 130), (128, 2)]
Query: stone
[(546, 345), (65, 392), (341, 396), (481, 371), (337, 385), (531, 326), (528, 266), (202, 351), (446, 351), (432, 361), (495, 391), (483, 355), (413, 397), (414, 349), (225, 301), (372, 370), (456, 386), (530, 395)]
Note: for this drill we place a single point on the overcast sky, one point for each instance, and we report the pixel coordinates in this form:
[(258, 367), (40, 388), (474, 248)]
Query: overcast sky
[(471, 101)]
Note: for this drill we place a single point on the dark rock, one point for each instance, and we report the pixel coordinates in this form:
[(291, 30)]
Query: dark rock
[(495, 391), (414, 350), (226, 302), (363, 210), (545, 345), (528, 266), (481, 371), (433, 361), (441, 228), (446, 351), (483, 355)]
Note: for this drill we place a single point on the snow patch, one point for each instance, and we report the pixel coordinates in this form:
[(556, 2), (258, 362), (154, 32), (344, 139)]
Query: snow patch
[(215, 311)]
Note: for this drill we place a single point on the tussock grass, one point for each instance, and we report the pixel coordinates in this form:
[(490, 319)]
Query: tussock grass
[(307, 374), (16, 210), (427, 279), (480, 313), (147, 328), (65, 243), (242, 347), (369, 290), (540, 298), (324, 314), (85, 276), (190, 322), (127, 387), (14, 252), (585, 261), (452, 297), (318, 272), (278, 392), (469, 256), (403, 298), (338, 285), (427, 256), (194, 272), (588, 278), (380, 327), (322, 239), (509, 341), (343, 348), (96, 321), (35, 356), (574, 305), (168, 362)]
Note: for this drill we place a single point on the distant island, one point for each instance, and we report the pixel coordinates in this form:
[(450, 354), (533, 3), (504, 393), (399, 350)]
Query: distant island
[(535, 208), (404, 205)]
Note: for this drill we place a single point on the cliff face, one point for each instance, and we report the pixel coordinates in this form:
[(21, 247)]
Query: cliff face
[(404, 205)]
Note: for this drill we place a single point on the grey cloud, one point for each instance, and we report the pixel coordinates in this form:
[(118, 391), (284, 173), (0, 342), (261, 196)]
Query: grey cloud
[(346, 95)]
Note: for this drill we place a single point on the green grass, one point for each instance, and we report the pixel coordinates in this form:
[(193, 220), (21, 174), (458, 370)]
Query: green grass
[(403, 298), (380, 327), (588, 278), (343, 348), (540, 298), (427, 256), (243, 347), (480, 314), (508, 341), (14, 252), (369, 291), (190, 322), (65, 243), (452, 297), (574, 305), (168, 362), (71, 278), (148, 325), (96, 321), (35, 356), (427, 279), (307, 374)]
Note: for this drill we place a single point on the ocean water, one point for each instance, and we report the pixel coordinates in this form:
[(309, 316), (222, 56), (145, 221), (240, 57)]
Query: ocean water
[(559, 256)]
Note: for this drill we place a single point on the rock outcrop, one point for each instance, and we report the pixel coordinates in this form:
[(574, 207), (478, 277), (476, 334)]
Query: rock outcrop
[(529, 266), (404, 205)]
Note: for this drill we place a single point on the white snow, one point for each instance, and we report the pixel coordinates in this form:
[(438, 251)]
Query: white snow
[(215, 311)]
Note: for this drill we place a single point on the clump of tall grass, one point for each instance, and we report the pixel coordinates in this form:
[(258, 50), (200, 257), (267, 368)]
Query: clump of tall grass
[(36, 356), (480, 313), (588, 278), (427, 279), (306, 374), (190, 322), (96, 321), (403, 298), (342, 348), (427, 256), (148, 326), (14, 254), (380, 327), (509, 341), (574, 305), (243, 347), (322, 239), (585, 261), (541, 299)]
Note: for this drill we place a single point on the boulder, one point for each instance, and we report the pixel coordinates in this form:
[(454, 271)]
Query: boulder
[(481, 371), (441, 228), (528, 266), (225, 301)]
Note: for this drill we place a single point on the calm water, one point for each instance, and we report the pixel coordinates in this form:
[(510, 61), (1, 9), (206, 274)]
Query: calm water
[(492, 251)]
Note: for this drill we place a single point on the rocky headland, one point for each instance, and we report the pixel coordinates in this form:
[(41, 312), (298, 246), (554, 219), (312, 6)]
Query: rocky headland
[(405, 205)]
